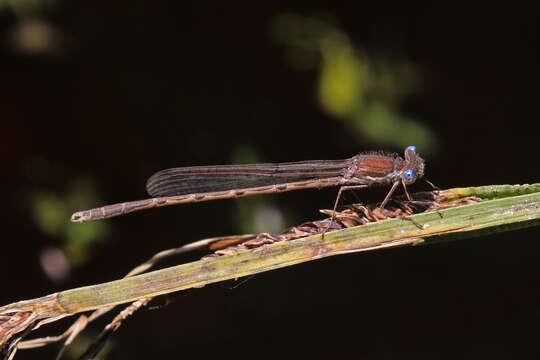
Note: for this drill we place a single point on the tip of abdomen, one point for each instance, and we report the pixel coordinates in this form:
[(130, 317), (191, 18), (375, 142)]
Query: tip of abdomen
[(80, 216)]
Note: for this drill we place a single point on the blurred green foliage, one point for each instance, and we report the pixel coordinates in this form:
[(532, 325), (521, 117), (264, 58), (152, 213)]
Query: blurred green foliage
[(255, 214), (362, 91), (52, 211)]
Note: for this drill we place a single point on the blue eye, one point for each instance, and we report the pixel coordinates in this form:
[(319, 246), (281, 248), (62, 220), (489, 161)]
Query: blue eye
[(409, 174), (412, 147)]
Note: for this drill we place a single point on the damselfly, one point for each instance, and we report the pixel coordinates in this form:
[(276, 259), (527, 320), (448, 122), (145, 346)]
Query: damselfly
[(201, 183)]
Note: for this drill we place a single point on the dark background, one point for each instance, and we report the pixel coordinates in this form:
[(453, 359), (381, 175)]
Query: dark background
[(97, 97)]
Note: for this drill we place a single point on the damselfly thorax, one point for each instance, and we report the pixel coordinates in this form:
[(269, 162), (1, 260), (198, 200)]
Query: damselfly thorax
[(202, 183)]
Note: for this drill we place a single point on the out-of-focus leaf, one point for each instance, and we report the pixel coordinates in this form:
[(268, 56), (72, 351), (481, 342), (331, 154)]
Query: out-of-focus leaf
[(52, 213), (359, 89)]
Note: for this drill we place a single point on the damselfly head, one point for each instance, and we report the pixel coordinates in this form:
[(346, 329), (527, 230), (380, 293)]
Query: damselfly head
[(413, 167)]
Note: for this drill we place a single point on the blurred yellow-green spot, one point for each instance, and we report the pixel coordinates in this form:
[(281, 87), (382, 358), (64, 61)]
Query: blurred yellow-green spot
[(343, 78), (357, 88), (77, 254), (299, 31), (244, 154), (52, 214), (246, 207), (388, 127), (244, 214), (253, 214)]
